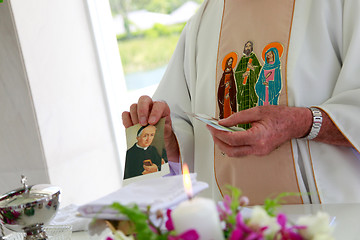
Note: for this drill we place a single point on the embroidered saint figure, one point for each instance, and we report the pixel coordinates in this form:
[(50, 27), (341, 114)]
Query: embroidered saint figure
[(246, 75), (227, 87), (268, 86)]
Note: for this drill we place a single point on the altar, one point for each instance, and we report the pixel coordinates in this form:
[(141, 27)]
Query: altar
[(345, 219), (189, 212)]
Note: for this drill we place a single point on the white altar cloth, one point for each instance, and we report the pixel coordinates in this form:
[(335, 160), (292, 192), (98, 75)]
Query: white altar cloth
[(159, 193)]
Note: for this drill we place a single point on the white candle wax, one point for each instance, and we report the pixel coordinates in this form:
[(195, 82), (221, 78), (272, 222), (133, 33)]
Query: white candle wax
[(199, 214)]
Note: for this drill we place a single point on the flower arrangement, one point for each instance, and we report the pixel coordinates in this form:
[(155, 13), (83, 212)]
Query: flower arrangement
[(262, 224)]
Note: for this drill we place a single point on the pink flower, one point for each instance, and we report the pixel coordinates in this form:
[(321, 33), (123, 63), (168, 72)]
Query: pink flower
[(244, 232), (288, 233), (153, 229), (227, 203), (244, 201), (169, 223), (224, 208), (188, 235), (237, 234)]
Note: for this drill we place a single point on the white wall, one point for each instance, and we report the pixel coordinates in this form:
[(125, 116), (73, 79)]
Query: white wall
[(69, 97), (21, 150)]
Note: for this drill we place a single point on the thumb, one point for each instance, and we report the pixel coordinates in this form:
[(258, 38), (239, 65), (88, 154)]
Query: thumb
[(229, 121), (242, 117)]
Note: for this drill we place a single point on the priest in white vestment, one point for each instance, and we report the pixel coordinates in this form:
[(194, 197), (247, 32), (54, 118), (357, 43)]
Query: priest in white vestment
[(321, 41)]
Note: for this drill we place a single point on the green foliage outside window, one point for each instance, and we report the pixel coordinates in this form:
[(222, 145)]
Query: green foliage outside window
[(158, 30), (148, 49), (144, 50), (160, 6)]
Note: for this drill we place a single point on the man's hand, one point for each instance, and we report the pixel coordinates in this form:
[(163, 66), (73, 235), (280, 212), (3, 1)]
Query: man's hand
[(271, 127), (150, 169), (149, 111)]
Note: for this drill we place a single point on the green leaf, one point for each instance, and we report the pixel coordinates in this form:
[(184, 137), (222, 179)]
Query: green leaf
[(271, 205), (235, 194), (140, 220)]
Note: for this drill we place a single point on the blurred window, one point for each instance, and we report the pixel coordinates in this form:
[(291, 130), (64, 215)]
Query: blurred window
[(147, 33)]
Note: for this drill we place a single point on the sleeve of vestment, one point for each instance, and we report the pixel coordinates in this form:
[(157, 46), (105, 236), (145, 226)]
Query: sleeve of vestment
[(344, 105), (174, 90)]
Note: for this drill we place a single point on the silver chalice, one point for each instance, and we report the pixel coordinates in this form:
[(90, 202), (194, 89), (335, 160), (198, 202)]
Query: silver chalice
[(29, 208)]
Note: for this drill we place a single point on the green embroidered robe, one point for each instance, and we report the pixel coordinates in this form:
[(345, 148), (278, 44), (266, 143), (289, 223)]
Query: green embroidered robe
[(246, 95)]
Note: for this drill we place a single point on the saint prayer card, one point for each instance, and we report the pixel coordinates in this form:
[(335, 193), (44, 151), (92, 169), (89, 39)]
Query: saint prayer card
[(146, 154)]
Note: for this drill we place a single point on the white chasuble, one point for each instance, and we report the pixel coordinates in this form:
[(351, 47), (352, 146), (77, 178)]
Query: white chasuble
[(255, 41), (210, 73)]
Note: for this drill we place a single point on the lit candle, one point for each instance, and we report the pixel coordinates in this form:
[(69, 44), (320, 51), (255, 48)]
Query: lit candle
[(198, 213)]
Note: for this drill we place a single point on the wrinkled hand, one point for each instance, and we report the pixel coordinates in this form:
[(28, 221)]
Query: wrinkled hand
[(150, 169), (271, 127), (149, 111)]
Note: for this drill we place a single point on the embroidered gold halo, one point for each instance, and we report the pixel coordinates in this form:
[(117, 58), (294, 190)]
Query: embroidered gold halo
[(230, 55), (276, 45)]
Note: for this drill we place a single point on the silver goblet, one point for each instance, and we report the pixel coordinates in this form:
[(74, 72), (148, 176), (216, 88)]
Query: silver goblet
[(29, 209)]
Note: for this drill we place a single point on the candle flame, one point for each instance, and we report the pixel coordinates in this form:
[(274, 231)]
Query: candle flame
[(187, 181)]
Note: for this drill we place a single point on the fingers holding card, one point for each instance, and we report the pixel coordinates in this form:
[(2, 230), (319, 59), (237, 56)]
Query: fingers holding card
[(214, 122)]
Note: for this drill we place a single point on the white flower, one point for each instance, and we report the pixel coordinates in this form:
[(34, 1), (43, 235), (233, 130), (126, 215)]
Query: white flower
[(318, 227), (260, 218), (119, 235)]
